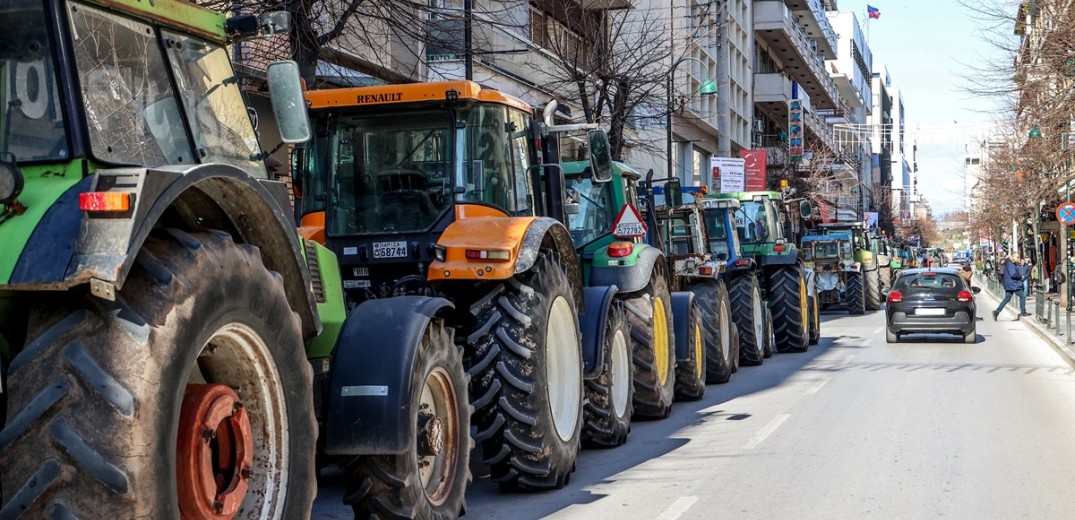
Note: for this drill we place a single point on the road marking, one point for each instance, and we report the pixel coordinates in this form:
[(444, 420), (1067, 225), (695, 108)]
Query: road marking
[(879, 330), (846, 361), (677, 508), (816, 386), (766, 431)]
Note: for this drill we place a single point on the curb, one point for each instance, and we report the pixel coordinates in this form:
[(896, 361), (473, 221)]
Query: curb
[(1060, 346)]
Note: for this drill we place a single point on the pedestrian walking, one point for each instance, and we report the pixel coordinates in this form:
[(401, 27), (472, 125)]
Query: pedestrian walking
[(1012, 274), (1025, 267)]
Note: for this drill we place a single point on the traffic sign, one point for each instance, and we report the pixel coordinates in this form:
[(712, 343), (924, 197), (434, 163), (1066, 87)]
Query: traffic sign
[(1065, 213), (628, 223)]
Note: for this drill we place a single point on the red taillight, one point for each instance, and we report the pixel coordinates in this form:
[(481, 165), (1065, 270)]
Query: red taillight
[(488, 254), (780, 248), (620, 249), (742, 261), (895, 297), (705, 271), (965, 296), (104, 201)]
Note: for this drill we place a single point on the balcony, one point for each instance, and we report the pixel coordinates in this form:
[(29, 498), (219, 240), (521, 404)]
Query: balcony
[(811, 16), (777, 26), (606, 5), (772, 92)]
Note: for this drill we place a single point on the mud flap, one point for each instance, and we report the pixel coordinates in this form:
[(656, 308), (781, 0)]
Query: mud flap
[(681, 320), (592, 323), (367, 402)]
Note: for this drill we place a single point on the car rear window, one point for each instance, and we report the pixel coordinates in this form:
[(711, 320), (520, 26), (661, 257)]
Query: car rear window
[(929, 281)]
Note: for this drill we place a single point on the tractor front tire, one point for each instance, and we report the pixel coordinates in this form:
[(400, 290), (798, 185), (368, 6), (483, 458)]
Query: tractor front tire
[(608, 410), (712, 297), (748, 313), (873, 290), (691, 372), (128, 408), (430, 479), (526, 377), (653, 346), (856, 294), (791, 320)]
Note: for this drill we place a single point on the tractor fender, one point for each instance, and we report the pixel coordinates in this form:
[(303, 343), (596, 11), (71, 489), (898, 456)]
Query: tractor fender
[(367, 400), (682, 301), (778, 260), (102, 247), (632, 278), (549, 233), (598, 299)]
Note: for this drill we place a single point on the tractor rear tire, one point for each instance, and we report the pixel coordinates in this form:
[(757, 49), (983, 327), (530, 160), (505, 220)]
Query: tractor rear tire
[(653, 346), (526, 377), (430, 479), (691, 372), (101, 420), (608, 410), (873, 290), (748, 313), (884, 275), (770, 336), (712, 297), (791, 320), (856, 294), (815, 321)]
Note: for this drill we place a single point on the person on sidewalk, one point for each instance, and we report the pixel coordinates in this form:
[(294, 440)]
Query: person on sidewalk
[(1013, 285)]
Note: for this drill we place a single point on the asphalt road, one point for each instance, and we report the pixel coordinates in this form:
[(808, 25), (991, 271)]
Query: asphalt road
[(854, 428)]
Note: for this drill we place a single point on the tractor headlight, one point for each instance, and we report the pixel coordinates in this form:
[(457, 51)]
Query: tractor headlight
[(10, 182)]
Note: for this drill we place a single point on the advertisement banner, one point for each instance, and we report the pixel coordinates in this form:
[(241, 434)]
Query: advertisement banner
[(796, 133), (728, 175), (754, 165), (871, 220)]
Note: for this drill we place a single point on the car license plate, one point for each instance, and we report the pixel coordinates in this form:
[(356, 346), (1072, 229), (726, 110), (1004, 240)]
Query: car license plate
[(390, 249), (929, 312)]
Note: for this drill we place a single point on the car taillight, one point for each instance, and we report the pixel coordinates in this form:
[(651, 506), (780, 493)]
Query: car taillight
[(965, 296), (895, 297), (620, 249)]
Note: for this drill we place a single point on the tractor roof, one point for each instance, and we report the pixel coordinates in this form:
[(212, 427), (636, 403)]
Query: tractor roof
[(746, 196), (577, 167), (827, 237), (433, 93), (174, 13)]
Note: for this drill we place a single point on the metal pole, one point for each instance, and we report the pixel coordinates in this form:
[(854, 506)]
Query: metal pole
[(468, 39), (668, 125)]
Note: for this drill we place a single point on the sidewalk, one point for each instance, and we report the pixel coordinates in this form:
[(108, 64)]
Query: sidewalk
[(1045, 326)]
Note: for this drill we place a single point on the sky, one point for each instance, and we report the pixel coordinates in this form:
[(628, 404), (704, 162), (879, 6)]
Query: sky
[(929, 47)]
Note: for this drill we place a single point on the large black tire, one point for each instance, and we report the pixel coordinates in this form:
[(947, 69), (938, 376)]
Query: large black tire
[(608, 410), (526, 378), (884, 275), (770, 336), (95, 395), (815, 321), (653, 346), (712, 297), (748, 313), (690, 372), (431, 478), (790, 307), (873, 290), (856, 294)]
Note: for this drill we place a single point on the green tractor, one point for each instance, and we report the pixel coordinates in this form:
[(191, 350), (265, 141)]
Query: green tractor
[(668, 336), (884, 250), (838, 276), (864, 255), (154, 296), (768, 225)]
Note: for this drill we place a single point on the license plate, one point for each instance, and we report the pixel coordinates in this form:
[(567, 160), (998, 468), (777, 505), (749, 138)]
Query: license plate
[(929, 312), (390, 249)]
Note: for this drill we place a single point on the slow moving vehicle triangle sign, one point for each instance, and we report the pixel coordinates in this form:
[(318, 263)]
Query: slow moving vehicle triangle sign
[(628, 223)]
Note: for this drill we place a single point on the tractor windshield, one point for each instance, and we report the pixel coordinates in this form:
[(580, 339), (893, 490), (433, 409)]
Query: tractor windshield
[(595, 215), (754, 223), (718, 233), (31, 119), (826, 250)]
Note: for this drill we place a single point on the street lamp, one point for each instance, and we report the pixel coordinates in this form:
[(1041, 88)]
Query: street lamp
[(708, 88)]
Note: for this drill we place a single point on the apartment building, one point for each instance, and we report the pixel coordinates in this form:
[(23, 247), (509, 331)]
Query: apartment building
[(852, 73)]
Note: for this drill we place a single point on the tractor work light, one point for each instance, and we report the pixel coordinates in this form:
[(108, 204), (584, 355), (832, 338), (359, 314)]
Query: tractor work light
[(11, 182), (620, 249), (488, 254), (100, 201)]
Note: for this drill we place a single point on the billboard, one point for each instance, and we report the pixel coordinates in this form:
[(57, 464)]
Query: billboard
[(728, 175), (754, 166)]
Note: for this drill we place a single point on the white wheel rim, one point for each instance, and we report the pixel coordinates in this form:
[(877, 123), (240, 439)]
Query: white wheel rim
[(759, 319), (725, 332), (619, 374), (563, 368), (240, 358)]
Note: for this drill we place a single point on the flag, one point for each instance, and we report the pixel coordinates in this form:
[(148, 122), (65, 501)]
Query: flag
[(873, 12)]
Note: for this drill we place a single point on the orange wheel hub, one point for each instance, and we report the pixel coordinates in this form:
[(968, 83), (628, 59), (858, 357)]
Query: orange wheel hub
[(214, 453)]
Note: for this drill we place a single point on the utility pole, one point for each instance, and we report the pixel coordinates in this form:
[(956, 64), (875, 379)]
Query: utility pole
[(468, 39)]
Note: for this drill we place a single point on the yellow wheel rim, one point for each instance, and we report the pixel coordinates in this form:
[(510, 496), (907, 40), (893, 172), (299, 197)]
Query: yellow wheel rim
[(698, 352), (804, 305), (660, 341)]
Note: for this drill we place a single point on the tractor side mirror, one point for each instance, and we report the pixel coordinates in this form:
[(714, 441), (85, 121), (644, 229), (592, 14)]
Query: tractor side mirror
[(805, 209), (673, 193), (600, 156), (975, 289), (288, 102)]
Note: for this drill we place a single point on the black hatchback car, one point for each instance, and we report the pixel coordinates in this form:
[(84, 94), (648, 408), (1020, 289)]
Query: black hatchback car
[(931, 301)]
